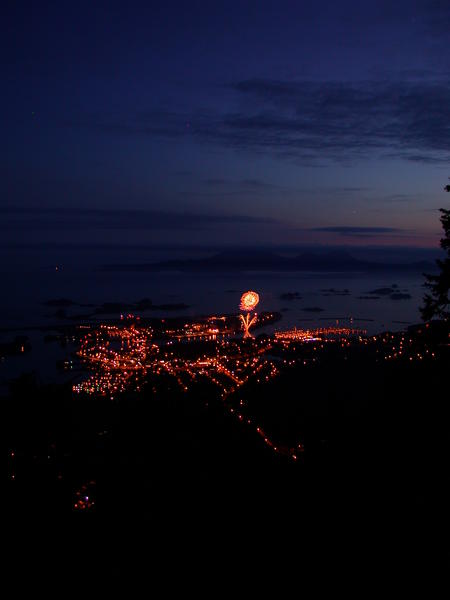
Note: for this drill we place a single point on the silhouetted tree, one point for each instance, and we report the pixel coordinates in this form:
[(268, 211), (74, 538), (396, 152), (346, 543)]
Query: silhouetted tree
[(437, 302)]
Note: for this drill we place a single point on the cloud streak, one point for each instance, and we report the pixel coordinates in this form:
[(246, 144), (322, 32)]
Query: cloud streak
[(313, 121), (78, 218), (344, 120), (351, 231)]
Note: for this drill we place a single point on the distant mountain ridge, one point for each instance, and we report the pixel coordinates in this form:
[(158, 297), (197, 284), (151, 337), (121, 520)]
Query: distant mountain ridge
[(231, 260)]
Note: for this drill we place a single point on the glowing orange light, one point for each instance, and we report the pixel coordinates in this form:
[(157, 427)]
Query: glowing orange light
[(249, 300)]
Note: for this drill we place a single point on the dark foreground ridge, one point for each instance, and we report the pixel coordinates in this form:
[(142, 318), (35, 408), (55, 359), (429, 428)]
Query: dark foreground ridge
[(352, 434)]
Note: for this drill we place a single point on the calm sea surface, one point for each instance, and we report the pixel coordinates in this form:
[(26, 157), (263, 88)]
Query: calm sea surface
[(30, 277)]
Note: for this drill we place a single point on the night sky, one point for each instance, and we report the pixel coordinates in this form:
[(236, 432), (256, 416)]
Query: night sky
[(237, 123)]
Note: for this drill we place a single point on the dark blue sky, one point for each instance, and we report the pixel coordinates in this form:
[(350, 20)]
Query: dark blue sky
[(225, 122)]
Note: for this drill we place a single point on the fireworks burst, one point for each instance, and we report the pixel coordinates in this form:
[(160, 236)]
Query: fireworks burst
[(249, 300)]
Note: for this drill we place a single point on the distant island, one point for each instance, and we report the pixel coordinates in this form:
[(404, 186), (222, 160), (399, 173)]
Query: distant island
[(108, 308), (334, 292), (290, 296), (61, 302), (338, 260), (392, 292)]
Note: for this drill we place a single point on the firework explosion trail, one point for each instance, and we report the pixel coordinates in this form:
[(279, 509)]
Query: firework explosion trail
[(249, 301)]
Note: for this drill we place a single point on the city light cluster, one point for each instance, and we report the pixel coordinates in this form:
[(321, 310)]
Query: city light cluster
[(322, 333), (125, 358), (119, 357)]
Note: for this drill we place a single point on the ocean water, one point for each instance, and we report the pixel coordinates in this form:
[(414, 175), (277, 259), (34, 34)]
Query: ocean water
[(32, 276)]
